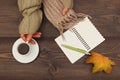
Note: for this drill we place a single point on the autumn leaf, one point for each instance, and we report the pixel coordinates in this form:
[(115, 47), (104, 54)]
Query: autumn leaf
[(101, 63)]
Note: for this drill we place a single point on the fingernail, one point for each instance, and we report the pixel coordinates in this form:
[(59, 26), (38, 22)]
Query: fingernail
[(27, 42)]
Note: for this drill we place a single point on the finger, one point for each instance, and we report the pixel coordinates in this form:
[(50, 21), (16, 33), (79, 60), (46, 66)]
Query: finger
[(23, 36), (29, 37), (32, 42), (37, 35), (64, 11)]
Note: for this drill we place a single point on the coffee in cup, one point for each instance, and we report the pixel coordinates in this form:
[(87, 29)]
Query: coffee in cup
[(23, 48)]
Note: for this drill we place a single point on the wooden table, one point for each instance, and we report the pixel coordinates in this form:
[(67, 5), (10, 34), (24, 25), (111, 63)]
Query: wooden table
[(51, 63)]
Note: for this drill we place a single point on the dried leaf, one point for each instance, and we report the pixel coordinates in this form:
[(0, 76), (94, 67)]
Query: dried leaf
[(101, 63)]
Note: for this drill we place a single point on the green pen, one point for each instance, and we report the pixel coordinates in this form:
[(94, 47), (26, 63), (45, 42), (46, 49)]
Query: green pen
[(75, 49)]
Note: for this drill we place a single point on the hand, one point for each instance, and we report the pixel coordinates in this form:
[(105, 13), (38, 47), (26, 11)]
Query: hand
[(64, 11), (28, 37)]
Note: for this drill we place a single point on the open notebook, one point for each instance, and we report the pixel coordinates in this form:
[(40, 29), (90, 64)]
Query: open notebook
[(83, 35)]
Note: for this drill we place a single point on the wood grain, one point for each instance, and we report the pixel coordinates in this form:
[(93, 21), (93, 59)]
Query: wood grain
[(51, 63)]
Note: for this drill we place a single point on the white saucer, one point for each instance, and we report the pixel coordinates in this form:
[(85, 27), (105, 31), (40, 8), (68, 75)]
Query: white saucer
[(30, 56)]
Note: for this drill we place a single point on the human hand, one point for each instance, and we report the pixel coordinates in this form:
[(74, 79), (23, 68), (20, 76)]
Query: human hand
[(64, 11), (28, 37)]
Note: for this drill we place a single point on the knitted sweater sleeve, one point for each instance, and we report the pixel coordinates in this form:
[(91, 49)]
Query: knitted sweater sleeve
[(67, 3), (32, 16)]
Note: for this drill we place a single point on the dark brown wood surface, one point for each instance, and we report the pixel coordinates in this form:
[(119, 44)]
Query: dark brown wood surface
[(51, 63)]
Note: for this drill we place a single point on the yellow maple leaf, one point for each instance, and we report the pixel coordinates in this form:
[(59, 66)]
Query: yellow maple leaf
[(101, 63)]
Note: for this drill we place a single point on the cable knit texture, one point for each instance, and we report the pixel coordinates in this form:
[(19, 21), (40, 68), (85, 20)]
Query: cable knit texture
[(53, 11), (32, 16)]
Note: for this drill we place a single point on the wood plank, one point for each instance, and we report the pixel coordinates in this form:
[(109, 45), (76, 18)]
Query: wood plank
[(9, 18), (105, 14), (52, 63)]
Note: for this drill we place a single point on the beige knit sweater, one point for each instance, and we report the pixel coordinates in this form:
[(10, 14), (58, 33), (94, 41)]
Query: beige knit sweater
[(32, 15)]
